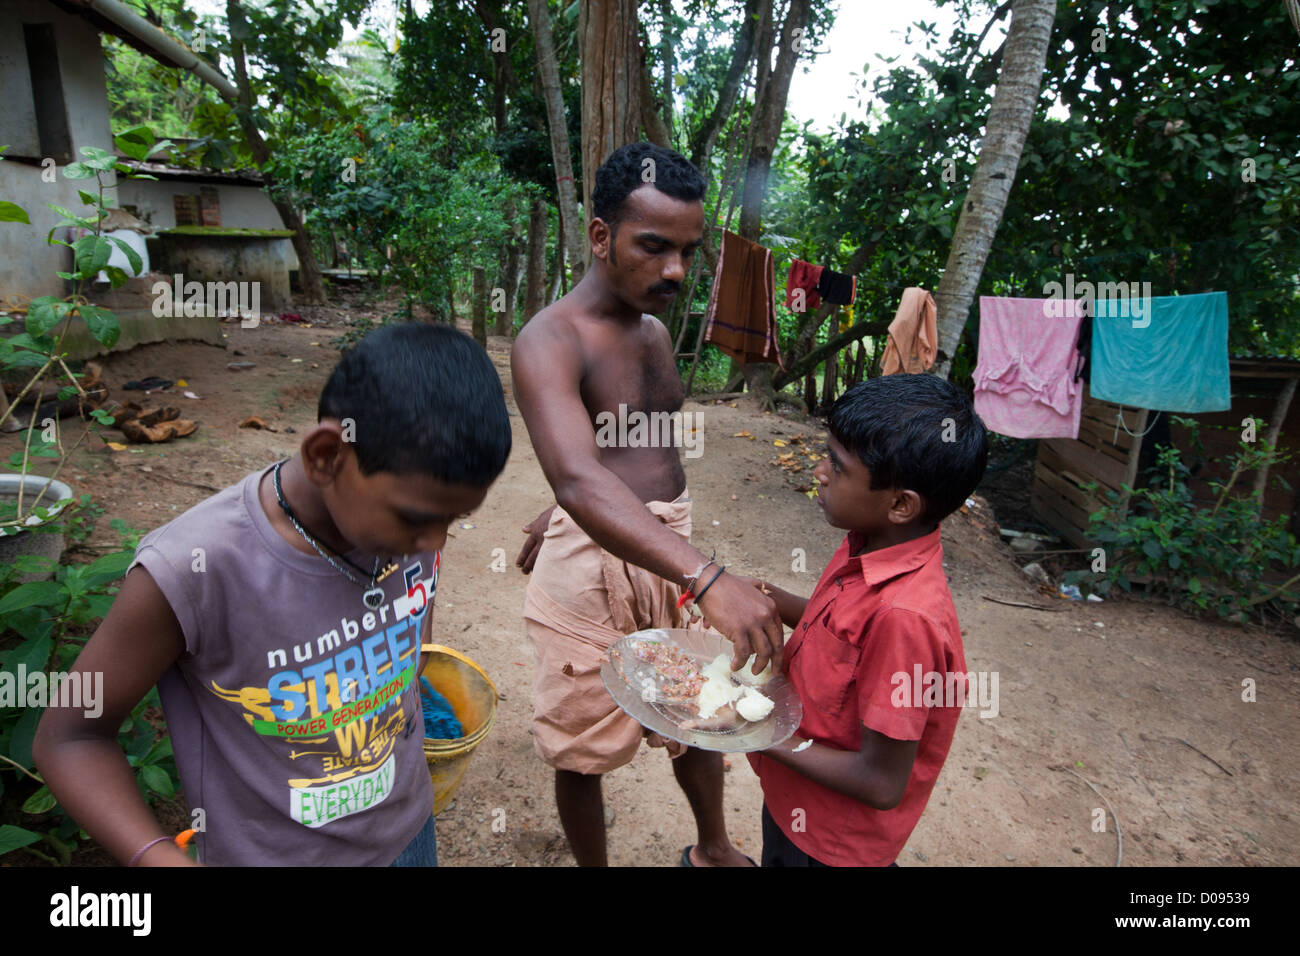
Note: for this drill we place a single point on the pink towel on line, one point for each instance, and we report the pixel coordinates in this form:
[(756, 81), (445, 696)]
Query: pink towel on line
[(1026, 383)]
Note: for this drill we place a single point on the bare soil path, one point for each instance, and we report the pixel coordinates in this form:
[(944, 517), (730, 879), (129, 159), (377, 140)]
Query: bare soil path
[(1135, 698)]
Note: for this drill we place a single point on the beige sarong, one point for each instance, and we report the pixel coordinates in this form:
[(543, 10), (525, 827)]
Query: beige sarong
[(581, 599)]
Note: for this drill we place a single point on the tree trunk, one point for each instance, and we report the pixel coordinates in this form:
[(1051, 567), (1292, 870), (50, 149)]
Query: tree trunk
[(814, 358), (503, 73), (706, 136), (1009, 120), (1278, 417), (509, 275), (829, 377), (769, 112), (557, 276), (656, 131), (309, 274), (548, 68), (611, 83), (478, 307), (666, 40), (535, 290)]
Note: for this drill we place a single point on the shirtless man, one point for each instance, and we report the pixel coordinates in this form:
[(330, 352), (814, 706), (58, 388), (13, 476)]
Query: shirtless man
[(595, 349)]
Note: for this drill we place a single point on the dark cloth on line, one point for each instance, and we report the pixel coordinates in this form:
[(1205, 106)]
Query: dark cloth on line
[(803, 275), (742, 313), (837, 287)]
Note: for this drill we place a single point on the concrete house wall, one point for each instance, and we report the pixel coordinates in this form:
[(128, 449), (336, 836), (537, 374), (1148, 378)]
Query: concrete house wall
[(246, 207), (27, 264)]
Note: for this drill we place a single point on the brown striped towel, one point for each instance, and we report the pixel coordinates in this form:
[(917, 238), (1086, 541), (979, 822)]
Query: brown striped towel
[(742, 313)]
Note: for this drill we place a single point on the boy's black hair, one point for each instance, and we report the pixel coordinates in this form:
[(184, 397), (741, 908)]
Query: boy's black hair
[(623, 173), (424, 399), (916, 432)]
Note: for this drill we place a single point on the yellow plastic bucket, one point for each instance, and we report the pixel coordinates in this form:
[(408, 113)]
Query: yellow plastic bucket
[(473, 698)]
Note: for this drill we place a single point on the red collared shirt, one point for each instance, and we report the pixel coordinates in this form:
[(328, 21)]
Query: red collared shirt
[(875, 626)]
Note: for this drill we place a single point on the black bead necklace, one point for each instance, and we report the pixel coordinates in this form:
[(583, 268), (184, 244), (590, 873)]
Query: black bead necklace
[(373, 596)]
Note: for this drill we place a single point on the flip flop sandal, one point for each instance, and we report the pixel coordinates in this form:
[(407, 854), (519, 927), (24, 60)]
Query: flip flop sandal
[(686, 856), (149, 384)]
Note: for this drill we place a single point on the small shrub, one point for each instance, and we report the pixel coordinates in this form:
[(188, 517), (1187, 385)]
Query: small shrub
[(1202, 557)]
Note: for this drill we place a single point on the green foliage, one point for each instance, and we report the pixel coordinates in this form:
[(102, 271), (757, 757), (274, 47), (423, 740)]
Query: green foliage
[(143, 91), (49, 317), (1221, 557), (1169, 156), (392, 184), (44, 623), (45, 626)]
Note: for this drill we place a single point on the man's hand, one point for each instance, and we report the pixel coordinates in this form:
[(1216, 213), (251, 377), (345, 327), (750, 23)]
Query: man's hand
[(753, 583), (748, 618), (533, 543), (675, 748)]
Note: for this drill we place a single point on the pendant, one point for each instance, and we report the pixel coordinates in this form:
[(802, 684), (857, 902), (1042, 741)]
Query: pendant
[(373, 598)]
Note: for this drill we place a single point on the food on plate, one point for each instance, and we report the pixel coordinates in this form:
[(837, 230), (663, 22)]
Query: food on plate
[(679, 675), (719, 691), (746, 676), (710, 691), (752, 705)]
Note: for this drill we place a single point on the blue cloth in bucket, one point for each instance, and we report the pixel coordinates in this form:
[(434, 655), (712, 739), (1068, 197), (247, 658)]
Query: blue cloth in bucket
[(1173, 358), (440, 722)]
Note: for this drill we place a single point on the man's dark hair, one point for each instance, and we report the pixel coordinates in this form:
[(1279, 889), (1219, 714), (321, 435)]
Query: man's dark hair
[(917, 432), (425, 399), (624, 171)]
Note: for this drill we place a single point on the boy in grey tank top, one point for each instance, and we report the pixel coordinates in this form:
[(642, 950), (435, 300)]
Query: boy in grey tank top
[(282, 621)]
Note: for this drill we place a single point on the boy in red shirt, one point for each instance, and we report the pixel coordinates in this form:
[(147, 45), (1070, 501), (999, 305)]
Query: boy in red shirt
[(848, 788)]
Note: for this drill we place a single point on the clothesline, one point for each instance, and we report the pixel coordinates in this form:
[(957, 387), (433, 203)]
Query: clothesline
[(1120, 423)]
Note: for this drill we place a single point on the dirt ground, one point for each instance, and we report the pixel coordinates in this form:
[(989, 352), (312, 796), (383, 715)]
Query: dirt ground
[(1131, 697)]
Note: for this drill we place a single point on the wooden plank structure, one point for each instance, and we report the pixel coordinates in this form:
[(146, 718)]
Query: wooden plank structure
[(1104, 452), (1109, 455)]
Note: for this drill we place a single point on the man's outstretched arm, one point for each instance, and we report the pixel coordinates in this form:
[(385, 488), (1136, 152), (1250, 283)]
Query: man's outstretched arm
[(546, 370)]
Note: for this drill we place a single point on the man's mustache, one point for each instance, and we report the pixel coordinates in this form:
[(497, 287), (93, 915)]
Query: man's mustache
[(673, 287)]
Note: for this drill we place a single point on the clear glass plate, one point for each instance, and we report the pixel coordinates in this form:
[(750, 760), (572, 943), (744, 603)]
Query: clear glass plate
[(634, 686)]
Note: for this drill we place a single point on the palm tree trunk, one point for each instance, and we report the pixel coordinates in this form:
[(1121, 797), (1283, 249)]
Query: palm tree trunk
[(1009, 120)]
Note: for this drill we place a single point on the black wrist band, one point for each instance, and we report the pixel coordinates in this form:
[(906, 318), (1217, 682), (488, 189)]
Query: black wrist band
[(691, 582), (700, 597)]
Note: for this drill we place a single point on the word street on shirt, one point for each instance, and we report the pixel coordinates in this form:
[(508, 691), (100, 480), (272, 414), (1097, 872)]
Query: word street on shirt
[(954, 689), (347, 683), (303, 702)]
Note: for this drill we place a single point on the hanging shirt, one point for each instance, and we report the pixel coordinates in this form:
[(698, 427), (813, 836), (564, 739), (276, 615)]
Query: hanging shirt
[(1027, 382), (803, 275), (1168, 352), (741, 314), (913, 336), (837, 288)]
